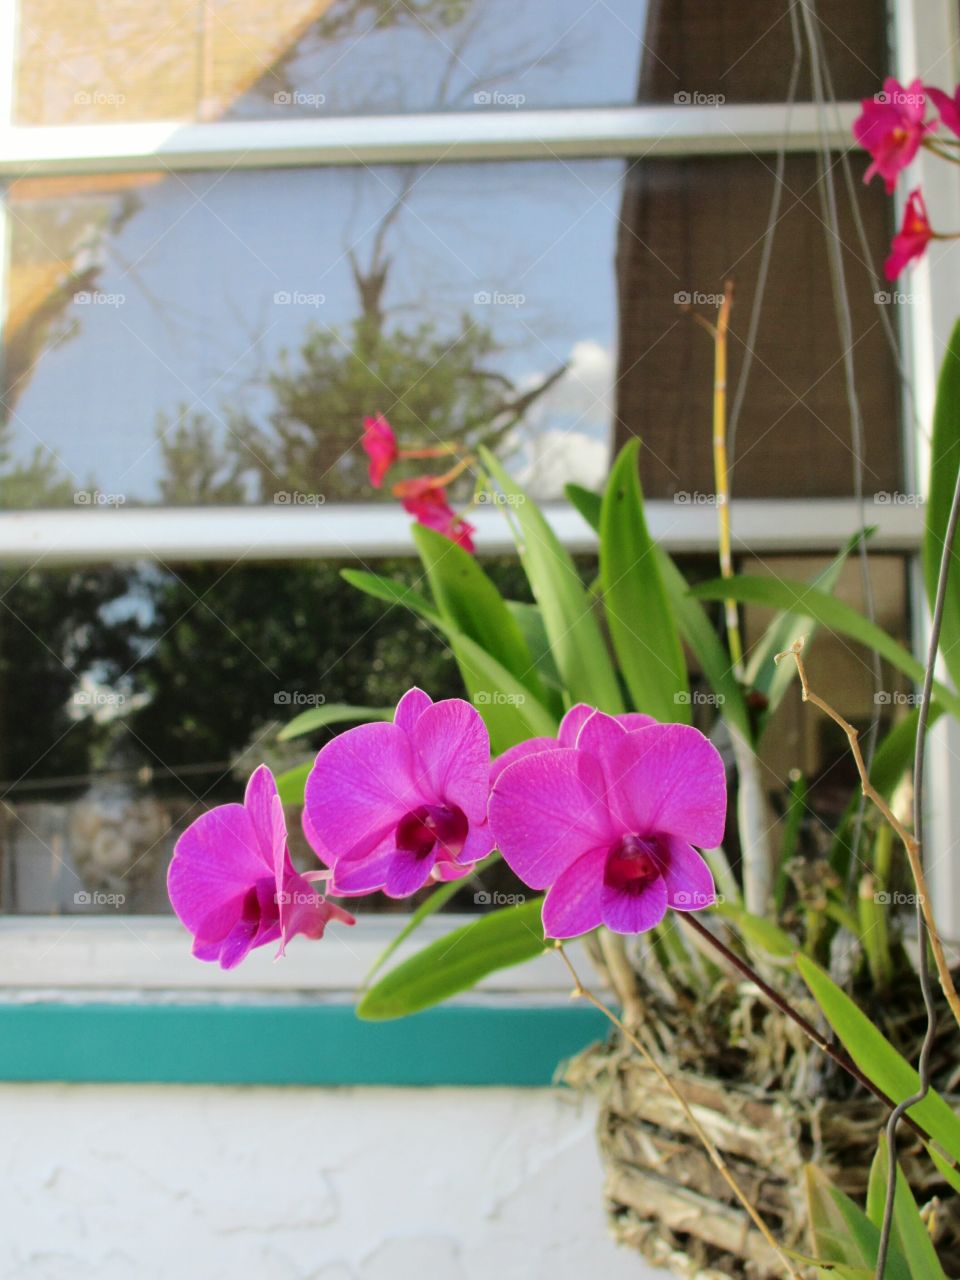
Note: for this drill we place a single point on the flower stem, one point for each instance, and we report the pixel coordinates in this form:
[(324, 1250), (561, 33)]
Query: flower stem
[(582, 993)]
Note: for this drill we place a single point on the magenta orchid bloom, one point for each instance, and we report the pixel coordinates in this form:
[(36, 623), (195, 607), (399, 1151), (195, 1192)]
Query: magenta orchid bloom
[(947, 108), (392, 806), (380, 445), (912, 239), (607, 826), (233, 885), (891, 127)]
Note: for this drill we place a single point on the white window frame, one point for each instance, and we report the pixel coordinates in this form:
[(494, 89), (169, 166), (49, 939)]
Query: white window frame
[(147, 952)]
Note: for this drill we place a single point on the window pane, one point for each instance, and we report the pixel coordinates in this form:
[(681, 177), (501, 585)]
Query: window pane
[(116, 734), (99, 61), (117, 731), (205, 338)]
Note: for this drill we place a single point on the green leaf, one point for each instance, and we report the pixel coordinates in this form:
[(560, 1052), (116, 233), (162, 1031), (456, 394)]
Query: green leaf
[(588, 503), (530, 621), (439, 898), (331, 713), (766, 676), (878, 1059), (393, 591), (944, 460), (510, 712), (758, 930), (842, 1232), (947, 1170), (290, 785), (698, 631), (642, 626), (796, 807), (798, 598), (469, 600), (909, 1234), (457, 962), (578, 646)]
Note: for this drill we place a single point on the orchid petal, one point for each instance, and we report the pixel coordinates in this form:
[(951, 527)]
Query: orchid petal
[(546, 811)]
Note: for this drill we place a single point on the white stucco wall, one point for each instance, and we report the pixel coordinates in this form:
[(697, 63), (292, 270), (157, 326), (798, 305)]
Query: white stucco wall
[(193, 1183)]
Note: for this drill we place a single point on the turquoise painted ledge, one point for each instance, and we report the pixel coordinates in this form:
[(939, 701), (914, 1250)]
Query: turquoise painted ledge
[(290, 1044)]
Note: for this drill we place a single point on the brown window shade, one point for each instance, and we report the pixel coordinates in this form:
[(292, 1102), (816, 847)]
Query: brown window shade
[(685, 227), (743, 52)]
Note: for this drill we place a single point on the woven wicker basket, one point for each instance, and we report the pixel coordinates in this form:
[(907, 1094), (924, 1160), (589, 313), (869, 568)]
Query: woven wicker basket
[(663, 1195)]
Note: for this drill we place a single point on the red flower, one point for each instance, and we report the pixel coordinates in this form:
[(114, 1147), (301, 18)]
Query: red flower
[(947, 107), (913, 237), (425, 497), (380, 445), (891, 127)]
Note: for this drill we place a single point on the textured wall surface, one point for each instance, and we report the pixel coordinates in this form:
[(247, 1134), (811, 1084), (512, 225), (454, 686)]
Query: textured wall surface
[(194, 1183)]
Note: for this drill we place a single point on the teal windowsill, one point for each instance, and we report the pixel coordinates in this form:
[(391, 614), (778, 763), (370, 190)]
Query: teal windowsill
[(298, 1044)]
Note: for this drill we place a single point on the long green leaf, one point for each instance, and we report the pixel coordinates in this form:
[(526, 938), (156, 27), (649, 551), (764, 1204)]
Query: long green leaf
[(842, 1232), (509, 710), (457, 962), (878, 1059), (642, 625), (439, 898), (766, 676), (692, 619), (805, 601), (588, 503), (575, 638), (698, 631), (909, 1234), (331, 713), (469, 600), (944, 461), (393, 591)]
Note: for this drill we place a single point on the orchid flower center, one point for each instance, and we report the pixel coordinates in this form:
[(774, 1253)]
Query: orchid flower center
[(422, 830), (632, 863)]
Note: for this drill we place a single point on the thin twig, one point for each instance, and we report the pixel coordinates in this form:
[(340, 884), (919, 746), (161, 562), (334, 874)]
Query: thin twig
[(910, 843), (721, 472), (582, 993), (919, 759)]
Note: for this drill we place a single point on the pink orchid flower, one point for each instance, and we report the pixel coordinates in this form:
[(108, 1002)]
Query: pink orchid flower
[(607, 826), (233, 885), (380, 445), (911, 240), (947, 108), (392, 806), (425, 497), (891, 127)]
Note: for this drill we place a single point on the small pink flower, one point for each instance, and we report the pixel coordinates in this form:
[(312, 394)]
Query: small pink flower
[(425, 497), (392, 806), (913, 237), (380, 445), (608, 826), (948, 108), (233, 885), (891, 127)]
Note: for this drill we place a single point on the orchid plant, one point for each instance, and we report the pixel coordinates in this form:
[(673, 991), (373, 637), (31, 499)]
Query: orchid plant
[(574, 758)]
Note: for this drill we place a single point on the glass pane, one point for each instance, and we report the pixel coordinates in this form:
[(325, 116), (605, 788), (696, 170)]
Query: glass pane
[(98, 61), (115, 735), (207, 338)]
